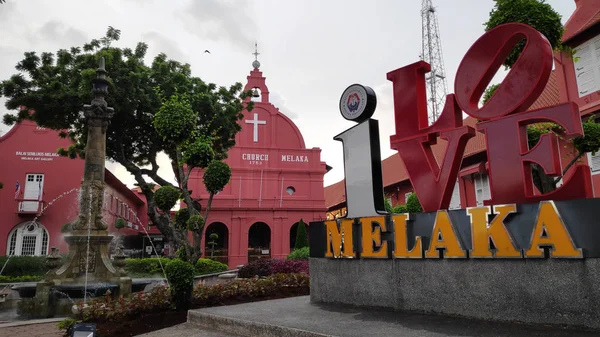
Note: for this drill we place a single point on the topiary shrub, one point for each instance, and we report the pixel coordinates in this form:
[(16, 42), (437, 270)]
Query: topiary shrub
[(208, 266), (181, 279), (181, 218), (216, 176), (166, 197), (299, 254), (195, 223), (198, 153), (301, 236), (175, 120)]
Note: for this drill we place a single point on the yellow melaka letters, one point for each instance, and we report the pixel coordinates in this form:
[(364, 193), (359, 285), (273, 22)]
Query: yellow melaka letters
[(401, 240), (482, 231), (334, 238), (556, 236), (444, 236), (371, 232)]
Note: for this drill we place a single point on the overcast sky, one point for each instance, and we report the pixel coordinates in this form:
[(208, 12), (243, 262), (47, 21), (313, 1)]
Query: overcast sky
[(310, 50)]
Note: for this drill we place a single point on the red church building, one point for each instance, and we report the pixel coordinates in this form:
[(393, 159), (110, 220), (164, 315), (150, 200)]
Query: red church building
[(276, 181), (573, 79)]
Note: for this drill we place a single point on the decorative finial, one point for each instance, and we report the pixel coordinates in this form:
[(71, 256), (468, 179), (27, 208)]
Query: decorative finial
[(256, 64), (101, 71)]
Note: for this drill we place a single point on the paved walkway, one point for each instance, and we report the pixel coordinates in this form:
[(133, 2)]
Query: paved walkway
[(186, 330), (31, 330)]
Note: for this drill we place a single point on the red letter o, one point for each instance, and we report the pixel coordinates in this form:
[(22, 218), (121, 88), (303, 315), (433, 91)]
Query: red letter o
[(523, 84)]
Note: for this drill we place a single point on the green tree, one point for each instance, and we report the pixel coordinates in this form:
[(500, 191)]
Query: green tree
[(535, 13), (398, 209), (150, 101), (412, 203), (301, 235), (541, 16)]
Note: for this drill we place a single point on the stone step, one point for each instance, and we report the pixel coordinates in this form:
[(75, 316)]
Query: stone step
[(298, 317), (246, 328)]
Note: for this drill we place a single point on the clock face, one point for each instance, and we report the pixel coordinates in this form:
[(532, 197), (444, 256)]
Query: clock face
[(358, 103)]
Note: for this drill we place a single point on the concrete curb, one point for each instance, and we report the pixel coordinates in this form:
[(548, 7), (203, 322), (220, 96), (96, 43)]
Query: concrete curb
[(246, 328)]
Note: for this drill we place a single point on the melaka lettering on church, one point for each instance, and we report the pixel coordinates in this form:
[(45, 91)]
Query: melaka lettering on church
[(508, 226), (259, 158)]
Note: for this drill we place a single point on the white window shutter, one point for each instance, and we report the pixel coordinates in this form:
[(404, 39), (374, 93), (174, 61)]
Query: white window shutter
[(482, 188), (455, 201), (594, 161)]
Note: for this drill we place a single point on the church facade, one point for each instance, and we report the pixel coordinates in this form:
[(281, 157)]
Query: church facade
[(276, 181)]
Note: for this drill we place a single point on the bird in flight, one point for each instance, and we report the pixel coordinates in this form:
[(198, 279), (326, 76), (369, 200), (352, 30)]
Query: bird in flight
[(206, 51)]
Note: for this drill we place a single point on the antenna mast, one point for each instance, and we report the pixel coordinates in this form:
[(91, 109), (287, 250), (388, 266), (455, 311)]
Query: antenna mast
[(431, 53)]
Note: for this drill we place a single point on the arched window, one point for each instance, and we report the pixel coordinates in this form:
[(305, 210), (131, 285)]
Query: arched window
[(29, 239)]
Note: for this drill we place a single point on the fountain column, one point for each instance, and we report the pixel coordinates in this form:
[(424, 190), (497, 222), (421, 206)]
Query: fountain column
[(88, 262)]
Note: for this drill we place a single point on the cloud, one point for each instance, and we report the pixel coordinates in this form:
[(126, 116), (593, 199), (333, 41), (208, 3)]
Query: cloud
[(221, 20), (7, 11), (61, 35), (158, 43), (279, 102)]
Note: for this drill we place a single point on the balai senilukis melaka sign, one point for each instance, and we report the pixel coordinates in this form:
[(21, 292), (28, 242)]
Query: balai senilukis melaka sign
[(516, 222)]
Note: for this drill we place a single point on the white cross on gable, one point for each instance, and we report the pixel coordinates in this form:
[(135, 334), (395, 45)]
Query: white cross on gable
[(256, 123)]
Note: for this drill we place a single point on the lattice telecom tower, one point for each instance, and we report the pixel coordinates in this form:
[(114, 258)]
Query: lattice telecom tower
[(432, 53)]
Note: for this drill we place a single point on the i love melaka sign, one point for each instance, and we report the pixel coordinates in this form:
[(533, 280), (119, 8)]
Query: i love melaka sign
[(515, 222)]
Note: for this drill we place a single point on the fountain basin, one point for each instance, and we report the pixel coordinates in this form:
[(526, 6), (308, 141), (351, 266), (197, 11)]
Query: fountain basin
[(78, 290), (25, 290), (28, 289)]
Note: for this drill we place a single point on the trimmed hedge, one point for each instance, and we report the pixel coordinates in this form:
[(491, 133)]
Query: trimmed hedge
[(207, 266), (181, 278), (23, 266), (267, 267), (17, 279), (147, 266), (299, 254), (242, 290)]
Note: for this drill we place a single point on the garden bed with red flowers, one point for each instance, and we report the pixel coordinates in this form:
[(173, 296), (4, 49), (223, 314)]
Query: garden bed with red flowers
[(151, 311)]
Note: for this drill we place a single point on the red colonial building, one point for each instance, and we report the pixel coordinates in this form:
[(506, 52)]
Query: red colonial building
[(573, 79), (42, 186), (276, 181)]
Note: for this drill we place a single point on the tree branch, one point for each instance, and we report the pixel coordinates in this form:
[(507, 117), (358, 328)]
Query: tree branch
[(571, 163), (158, 179)]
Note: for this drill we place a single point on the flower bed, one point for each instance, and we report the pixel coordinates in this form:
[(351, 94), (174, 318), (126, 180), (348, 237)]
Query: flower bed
[(145, 312), (266, 267), (247, 290)]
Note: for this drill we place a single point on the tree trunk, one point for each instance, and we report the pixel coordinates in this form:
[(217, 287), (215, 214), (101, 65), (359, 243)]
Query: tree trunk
[(543, 182), (208, 204)]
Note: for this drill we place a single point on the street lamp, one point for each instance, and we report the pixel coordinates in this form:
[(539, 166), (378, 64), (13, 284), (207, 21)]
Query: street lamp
[(84, 330)]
